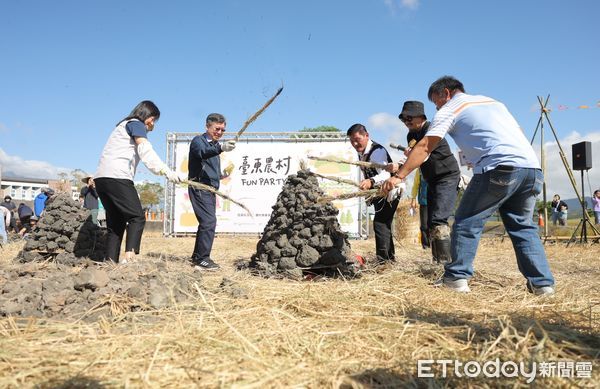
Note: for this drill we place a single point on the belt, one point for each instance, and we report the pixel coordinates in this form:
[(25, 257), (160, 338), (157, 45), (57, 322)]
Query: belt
[(506, 167)]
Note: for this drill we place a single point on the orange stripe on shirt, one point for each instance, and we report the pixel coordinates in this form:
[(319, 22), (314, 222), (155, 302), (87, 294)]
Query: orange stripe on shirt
[(465, 105)]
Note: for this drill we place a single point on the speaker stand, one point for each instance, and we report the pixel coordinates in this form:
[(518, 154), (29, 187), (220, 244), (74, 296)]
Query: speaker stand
[(544, 110), (585, 220)]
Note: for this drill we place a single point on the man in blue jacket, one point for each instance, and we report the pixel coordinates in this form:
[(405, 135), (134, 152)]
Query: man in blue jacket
[(39, 203), (204, 166)]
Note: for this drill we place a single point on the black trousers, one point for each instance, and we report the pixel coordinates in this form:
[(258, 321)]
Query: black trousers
[(441, 200), (123, 212), (205, 205), (13, 224), (382, 224), (423, 226)]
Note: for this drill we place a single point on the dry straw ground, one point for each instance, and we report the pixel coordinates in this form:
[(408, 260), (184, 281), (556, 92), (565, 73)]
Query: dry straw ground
[(366, 332)]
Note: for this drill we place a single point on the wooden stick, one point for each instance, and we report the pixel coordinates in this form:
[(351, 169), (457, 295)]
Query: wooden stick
[(257, 114), (344, 196), (357, 163), (337, 179), (210, 189)]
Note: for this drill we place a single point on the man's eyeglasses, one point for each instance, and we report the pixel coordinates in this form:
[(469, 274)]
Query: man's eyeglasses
[(406, 118)]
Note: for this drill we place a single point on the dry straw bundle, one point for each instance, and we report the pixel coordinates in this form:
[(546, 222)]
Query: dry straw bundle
[(406, 226)]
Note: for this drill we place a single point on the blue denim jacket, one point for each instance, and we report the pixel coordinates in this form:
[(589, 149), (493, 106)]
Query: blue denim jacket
[(204, 164)]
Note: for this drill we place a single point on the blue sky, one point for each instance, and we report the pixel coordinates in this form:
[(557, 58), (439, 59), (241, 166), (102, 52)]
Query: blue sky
[(69, 70)]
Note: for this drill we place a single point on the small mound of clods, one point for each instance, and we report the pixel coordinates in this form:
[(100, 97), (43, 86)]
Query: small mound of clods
[(302, 236), (64, 233), (92, 290)]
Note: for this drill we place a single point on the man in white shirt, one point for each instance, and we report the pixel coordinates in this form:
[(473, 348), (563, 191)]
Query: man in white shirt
[(370, 151), (507, 178)]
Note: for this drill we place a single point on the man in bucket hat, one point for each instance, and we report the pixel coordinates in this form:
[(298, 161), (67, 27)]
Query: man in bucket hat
[(441, 172)]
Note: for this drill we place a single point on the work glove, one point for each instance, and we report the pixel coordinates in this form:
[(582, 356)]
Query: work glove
[(396, 192), (174, 176), (228, 145)]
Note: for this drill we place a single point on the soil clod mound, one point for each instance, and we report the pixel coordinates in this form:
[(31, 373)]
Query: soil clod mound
[(64, 233), (303, 236)]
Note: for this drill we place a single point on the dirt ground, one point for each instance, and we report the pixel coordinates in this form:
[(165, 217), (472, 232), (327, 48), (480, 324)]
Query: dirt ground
[(181, 328)]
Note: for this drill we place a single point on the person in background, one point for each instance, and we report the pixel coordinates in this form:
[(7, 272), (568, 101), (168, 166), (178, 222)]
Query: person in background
[(41, 200), (11, 206), (596, 203), (506, 178), (204, 166), (419, 196), (101, 214), (27, 228), (127, 145), (5, 216), (559, 211), (89, 198), (25, 213), (371, 151)]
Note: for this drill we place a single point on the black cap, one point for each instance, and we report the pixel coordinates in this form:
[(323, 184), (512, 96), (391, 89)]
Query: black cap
[(412, 108), (7, 197)]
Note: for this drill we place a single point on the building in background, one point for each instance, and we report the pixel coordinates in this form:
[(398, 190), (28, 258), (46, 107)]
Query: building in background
[(25, 189)]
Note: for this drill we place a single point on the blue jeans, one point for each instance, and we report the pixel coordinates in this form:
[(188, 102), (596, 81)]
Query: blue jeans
[(555, 216), (512, 192)]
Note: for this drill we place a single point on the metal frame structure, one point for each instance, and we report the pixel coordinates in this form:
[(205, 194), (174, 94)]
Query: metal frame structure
[(544, 114), (177, 137)]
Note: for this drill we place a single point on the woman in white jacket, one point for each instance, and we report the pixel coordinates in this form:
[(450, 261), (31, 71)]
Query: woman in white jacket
[(127, 145)]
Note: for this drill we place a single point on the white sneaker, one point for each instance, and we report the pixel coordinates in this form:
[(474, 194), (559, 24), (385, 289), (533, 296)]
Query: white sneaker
[(460, 285), (541, 290)]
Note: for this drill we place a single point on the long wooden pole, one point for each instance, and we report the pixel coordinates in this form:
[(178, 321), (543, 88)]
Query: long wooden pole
[(344, 196), (357, 163), (210, 189), (257, 114), (337, 179)]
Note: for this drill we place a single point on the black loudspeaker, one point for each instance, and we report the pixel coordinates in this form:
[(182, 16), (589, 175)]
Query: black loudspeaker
[(582, 156)]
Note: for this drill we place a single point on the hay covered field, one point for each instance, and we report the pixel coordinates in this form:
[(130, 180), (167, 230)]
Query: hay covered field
[(240, 330)]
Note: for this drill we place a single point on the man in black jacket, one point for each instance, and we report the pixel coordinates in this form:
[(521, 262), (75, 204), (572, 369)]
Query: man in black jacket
[(12, 207), (89, 198), (559, 211), (204, 166), (441, 172)]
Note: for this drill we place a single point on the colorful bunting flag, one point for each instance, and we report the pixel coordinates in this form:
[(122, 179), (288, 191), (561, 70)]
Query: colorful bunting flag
[(561, 107)]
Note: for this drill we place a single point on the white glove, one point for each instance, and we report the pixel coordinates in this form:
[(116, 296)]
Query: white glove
[(173, 176), (228, 145), (396, 192), (151, 159)]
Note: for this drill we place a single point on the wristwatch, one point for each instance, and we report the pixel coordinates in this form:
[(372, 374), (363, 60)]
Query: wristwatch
[(372, 182)]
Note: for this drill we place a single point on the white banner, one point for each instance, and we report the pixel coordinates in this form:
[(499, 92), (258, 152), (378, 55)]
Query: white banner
[(259, 170)]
